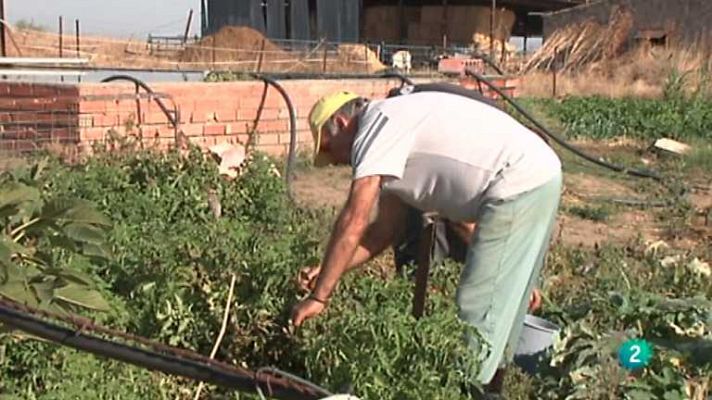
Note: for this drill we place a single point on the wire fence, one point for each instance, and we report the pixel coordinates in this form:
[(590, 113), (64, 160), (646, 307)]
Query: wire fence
[(267, 55)]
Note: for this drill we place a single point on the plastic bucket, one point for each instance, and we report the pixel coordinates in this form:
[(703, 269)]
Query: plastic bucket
[(536, 339)]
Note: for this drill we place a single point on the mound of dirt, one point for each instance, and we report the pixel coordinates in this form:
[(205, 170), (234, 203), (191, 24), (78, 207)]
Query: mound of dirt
[(232, 43)]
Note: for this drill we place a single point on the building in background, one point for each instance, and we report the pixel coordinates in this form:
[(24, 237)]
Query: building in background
[(393, 21), (660, 22)]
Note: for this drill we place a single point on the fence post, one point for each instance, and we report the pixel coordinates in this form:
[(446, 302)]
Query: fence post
[(323, 67), (553, 72), (212, 51), (76, 32), (60, 36), (260, 56)]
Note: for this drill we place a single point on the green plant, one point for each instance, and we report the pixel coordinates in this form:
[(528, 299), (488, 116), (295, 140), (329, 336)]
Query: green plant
[(677, 117), (593, 213), (46, 244)]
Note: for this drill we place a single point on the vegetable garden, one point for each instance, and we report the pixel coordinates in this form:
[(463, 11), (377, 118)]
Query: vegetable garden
[(149, 243)]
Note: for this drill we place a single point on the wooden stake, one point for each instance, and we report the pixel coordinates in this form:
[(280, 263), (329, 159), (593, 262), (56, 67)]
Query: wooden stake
[(3, 29), (323, 66), (260, 56), (60, 36), (76, 33)]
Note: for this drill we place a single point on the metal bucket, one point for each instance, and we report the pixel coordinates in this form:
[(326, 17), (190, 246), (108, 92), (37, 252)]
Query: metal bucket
[(536, 339)]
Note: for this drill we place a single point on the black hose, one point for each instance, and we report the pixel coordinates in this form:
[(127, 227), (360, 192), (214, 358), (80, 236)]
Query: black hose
[(166, 363), (174, 120), (561, 141), (291, 155)]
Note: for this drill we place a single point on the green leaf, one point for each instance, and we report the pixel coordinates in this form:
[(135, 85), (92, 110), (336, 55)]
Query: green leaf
[(84, 233), (17, 290), (639, 395), (82, 296), (97, 252), (71, 275), (63, 242), (44, 291), (13, 194), (73, 210)]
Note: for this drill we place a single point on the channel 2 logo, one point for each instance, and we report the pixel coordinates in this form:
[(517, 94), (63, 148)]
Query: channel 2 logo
[(635, 354)]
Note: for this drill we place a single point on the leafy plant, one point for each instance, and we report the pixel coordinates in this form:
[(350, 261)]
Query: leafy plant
[(46, 244)]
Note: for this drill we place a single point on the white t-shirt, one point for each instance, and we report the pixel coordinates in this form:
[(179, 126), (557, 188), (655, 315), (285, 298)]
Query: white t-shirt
[(447, 153)]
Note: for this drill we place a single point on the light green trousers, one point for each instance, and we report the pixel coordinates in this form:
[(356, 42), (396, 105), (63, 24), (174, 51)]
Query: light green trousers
[(503, 262)]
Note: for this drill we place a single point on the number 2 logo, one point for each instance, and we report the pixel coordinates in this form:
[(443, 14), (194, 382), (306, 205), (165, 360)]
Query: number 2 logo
[(635, 354)]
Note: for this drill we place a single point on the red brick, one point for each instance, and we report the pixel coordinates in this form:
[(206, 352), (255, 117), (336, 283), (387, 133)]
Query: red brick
[(273, 149), (192, 129), (92, 134), (238, 127), (267, 139), (210, 130), (272, 126)]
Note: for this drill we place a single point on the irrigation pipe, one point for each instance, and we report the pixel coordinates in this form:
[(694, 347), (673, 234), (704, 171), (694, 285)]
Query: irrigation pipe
[(169, 360), (561, 141), (292, 153)]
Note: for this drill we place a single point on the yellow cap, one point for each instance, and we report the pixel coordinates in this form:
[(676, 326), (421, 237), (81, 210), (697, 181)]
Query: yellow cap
[(320, 113)]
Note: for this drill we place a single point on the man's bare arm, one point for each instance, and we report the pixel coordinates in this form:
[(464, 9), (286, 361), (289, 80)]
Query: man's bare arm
[(382, 232), (347, 233)]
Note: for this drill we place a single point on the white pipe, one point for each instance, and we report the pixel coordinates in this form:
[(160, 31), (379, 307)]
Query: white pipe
[(35, 72), (41, 60)]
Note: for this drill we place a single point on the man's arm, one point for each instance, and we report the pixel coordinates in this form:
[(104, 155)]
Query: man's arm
[(347, 233), (382, 232)]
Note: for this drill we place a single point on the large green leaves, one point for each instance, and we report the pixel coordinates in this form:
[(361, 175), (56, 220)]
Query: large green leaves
[(46, 243)]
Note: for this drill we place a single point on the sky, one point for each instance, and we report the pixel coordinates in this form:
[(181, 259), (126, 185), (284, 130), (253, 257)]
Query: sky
[(124, 18)]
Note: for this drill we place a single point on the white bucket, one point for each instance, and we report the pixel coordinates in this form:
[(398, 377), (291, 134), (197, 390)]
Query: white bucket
[(536, 339)]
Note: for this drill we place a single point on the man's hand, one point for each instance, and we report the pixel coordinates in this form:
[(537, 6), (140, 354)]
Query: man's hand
[(307, 278), (305, 310)]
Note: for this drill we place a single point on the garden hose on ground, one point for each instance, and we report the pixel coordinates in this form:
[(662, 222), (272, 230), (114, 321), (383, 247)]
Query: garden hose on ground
[(155, 356), (639, 173)]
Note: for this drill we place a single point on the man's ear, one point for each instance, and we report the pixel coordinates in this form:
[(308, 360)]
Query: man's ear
[(341, 121)]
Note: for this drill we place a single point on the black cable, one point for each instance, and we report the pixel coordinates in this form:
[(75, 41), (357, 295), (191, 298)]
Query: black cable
[(292, 156), (167, 363), (174, 120), (278, 372), (561, 141)]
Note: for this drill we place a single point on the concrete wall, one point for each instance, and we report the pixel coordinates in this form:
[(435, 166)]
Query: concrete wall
[(685, 20), (36, 115)]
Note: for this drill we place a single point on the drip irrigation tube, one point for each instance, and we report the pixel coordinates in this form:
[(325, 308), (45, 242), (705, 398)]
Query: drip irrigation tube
[(561, 141), (174, 119), (280, 384), (291, 155)]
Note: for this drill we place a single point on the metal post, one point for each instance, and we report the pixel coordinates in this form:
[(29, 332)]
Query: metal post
[(60, 36), (2, 31), (76, 31), (421, 274), (187, 26), (260, 56), (212, 50), (553, 72), (492, 11)]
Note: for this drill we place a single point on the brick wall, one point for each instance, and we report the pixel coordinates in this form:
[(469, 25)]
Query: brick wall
[(209, 113), (33, 115)]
